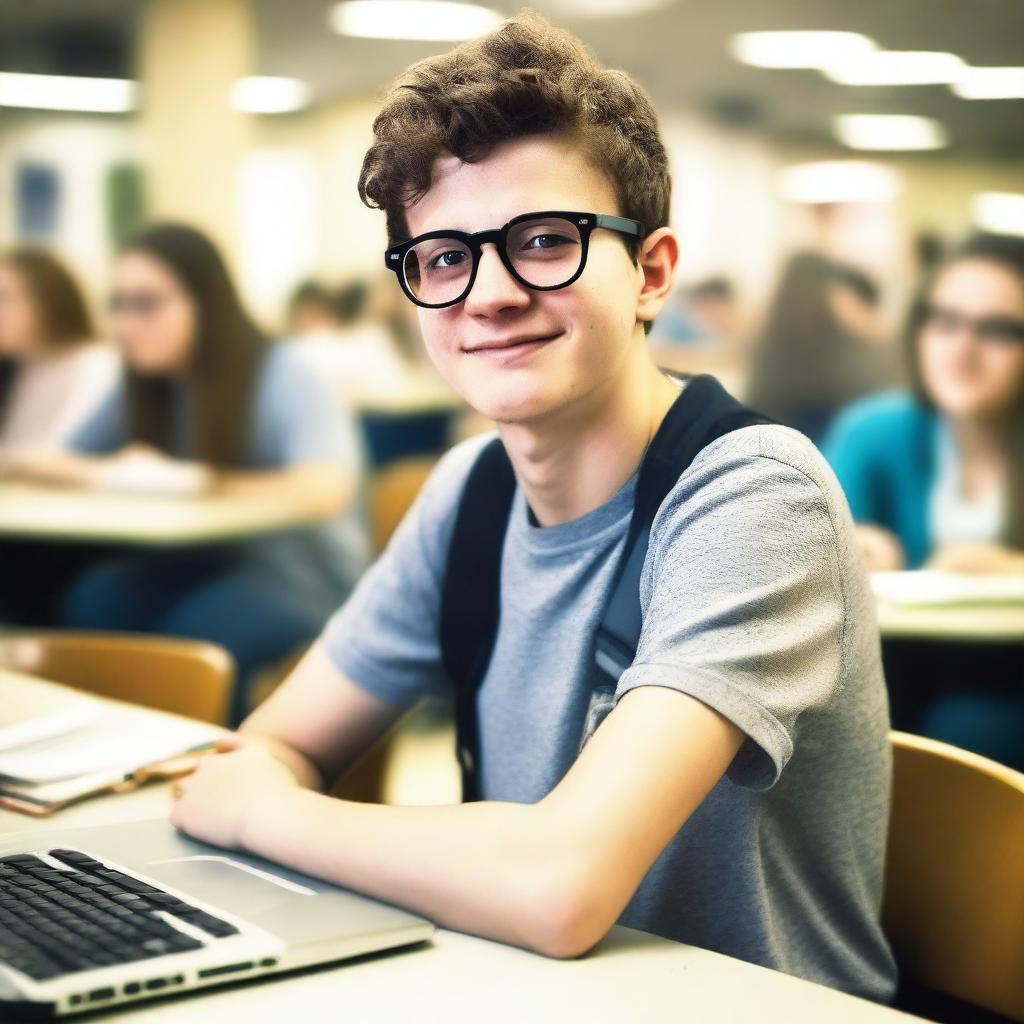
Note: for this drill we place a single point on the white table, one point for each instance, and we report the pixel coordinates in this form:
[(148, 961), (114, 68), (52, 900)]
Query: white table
[(631, 976), (33, 512)]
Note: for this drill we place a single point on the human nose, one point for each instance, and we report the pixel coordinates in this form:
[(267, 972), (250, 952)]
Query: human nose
[(495, 288)]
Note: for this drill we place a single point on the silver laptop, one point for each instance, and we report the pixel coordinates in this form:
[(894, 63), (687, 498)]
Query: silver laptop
[(102, 916)]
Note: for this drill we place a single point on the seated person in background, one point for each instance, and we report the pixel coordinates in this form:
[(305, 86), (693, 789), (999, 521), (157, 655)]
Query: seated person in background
[(312, 311), (713, 305), (202, 385), (736, 795), (936, 477), (52, 371), (811, 359)]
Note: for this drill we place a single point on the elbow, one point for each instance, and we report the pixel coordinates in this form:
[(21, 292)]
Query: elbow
[(565, 917)]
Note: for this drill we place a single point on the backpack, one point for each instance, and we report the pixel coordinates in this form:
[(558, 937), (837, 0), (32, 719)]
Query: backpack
[(471, 592)]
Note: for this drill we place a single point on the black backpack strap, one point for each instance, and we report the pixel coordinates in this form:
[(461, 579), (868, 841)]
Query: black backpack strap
[(471, 595), (702, 413)]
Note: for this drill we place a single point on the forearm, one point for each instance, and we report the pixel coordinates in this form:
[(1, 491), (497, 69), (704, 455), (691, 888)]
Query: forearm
[(493, 869), (50, 466), (324, 490)]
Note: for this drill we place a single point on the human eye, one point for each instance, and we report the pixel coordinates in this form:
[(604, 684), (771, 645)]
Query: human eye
[(546, 240), (446, 259)]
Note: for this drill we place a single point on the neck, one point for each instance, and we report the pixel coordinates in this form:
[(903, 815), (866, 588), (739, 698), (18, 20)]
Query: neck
[(575, 460), (980, 438)]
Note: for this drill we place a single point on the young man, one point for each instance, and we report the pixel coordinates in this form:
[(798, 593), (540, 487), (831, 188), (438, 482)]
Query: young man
[(736, 797)]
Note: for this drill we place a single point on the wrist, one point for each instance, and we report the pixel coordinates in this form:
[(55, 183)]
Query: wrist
[(266, 816)]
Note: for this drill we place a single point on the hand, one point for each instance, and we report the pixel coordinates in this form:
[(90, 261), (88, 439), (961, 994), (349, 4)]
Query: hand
[(881, 548), (977, 557), (140, 468), (213, 802)]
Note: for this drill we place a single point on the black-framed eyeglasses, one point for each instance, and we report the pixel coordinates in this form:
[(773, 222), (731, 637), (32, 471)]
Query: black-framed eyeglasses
[(543, 251), (1000, 330)]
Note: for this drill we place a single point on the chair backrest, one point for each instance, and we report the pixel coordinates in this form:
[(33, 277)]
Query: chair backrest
[(954, 899), (393, 489), (186, 677)]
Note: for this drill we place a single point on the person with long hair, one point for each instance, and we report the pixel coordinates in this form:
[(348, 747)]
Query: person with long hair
[(52, 369), (207, 403), (812, 357), (935, 477)]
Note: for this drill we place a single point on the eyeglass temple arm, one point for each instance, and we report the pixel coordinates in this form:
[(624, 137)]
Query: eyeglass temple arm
[(624, 224)]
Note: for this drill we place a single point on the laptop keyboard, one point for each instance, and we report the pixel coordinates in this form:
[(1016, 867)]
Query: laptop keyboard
[(55, 922)]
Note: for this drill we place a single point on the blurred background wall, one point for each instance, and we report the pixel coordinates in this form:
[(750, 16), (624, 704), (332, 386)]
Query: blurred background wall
[(249, 118)]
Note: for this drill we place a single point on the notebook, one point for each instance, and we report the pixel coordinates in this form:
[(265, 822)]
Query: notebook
[(928, 588), (89, 747)]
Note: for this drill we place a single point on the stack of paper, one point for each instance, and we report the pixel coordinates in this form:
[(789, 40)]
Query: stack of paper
[(931, 588), (92, 746)]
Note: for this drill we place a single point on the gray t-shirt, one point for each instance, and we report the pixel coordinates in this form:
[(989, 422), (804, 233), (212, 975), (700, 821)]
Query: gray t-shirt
[(294, 418), (755, 602)]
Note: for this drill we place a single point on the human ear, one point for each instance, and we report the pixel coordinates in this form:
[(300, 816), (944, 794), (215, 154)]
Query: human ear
[(658, 260)]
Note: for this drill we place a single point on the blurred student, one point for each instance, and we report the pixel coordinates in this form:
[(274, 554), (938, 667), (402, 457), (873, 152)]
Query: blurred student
[(312, 311), (206, 403), (935, 478), (53, 372), (713, 305), (373, 362), (811, 358)]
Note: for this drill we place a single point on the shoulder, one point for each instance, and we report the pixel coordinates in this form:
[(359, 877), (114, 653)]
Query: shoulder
[(754, 486), (288, 379), (879, 417), (283, 359), (757, 451)]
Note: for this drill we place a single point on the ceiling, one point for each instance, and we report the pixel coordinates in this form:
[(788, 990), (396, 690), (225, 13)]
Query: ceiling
[(677, 52)]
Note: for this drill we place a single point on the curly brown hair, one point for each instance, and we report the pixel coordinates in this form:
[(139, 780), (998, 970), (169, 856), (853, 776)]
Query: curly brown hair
[(527, 77)]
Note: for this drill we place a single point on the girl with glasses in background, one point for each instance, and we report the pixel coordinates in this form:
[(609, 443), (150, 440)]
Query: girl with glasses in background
[(935, 478), (207, 405)]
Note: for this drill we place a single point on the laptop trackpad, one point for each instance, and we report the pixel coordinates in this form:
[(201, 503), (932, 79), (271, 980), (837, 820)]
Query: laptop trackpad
[(235, 886), (279, 903)]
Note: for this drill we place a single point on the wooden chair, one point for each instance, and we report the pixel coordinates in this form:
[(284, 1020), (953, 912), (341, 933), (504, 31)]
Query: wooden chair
[(954, 899), (393, 489), (187, 677)]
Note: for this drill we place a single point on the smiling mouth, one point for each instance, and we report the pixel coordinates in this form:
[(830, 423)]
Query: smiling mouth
[(518, 346)]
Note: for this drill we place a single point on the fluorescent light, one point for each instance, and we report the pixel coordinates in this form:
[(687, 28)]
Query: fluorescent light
[(839, 181), (889, 132), (605, 8), (798, 49), (261, 94), (1001, 212), (60, 92), (438, 20), (990, 84), (896, 67)]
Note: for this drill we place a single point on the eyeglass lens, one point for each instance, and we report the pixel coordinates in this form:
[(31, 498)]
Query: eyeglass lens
[(545, 252)]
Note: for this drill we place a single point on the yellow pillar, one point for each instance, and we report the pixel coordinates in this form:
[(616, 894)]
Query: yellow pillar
[(191, 51)]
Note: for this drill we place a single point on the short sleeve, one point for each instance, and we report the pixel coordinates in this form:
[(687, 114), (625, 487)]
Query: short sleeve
[(742, 599), (104, 430), (385, 638), (298, 418)]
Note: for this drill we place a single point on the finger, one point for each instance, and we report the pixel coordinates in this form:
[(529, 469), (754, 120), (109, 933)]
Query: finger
[(177, 790)]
